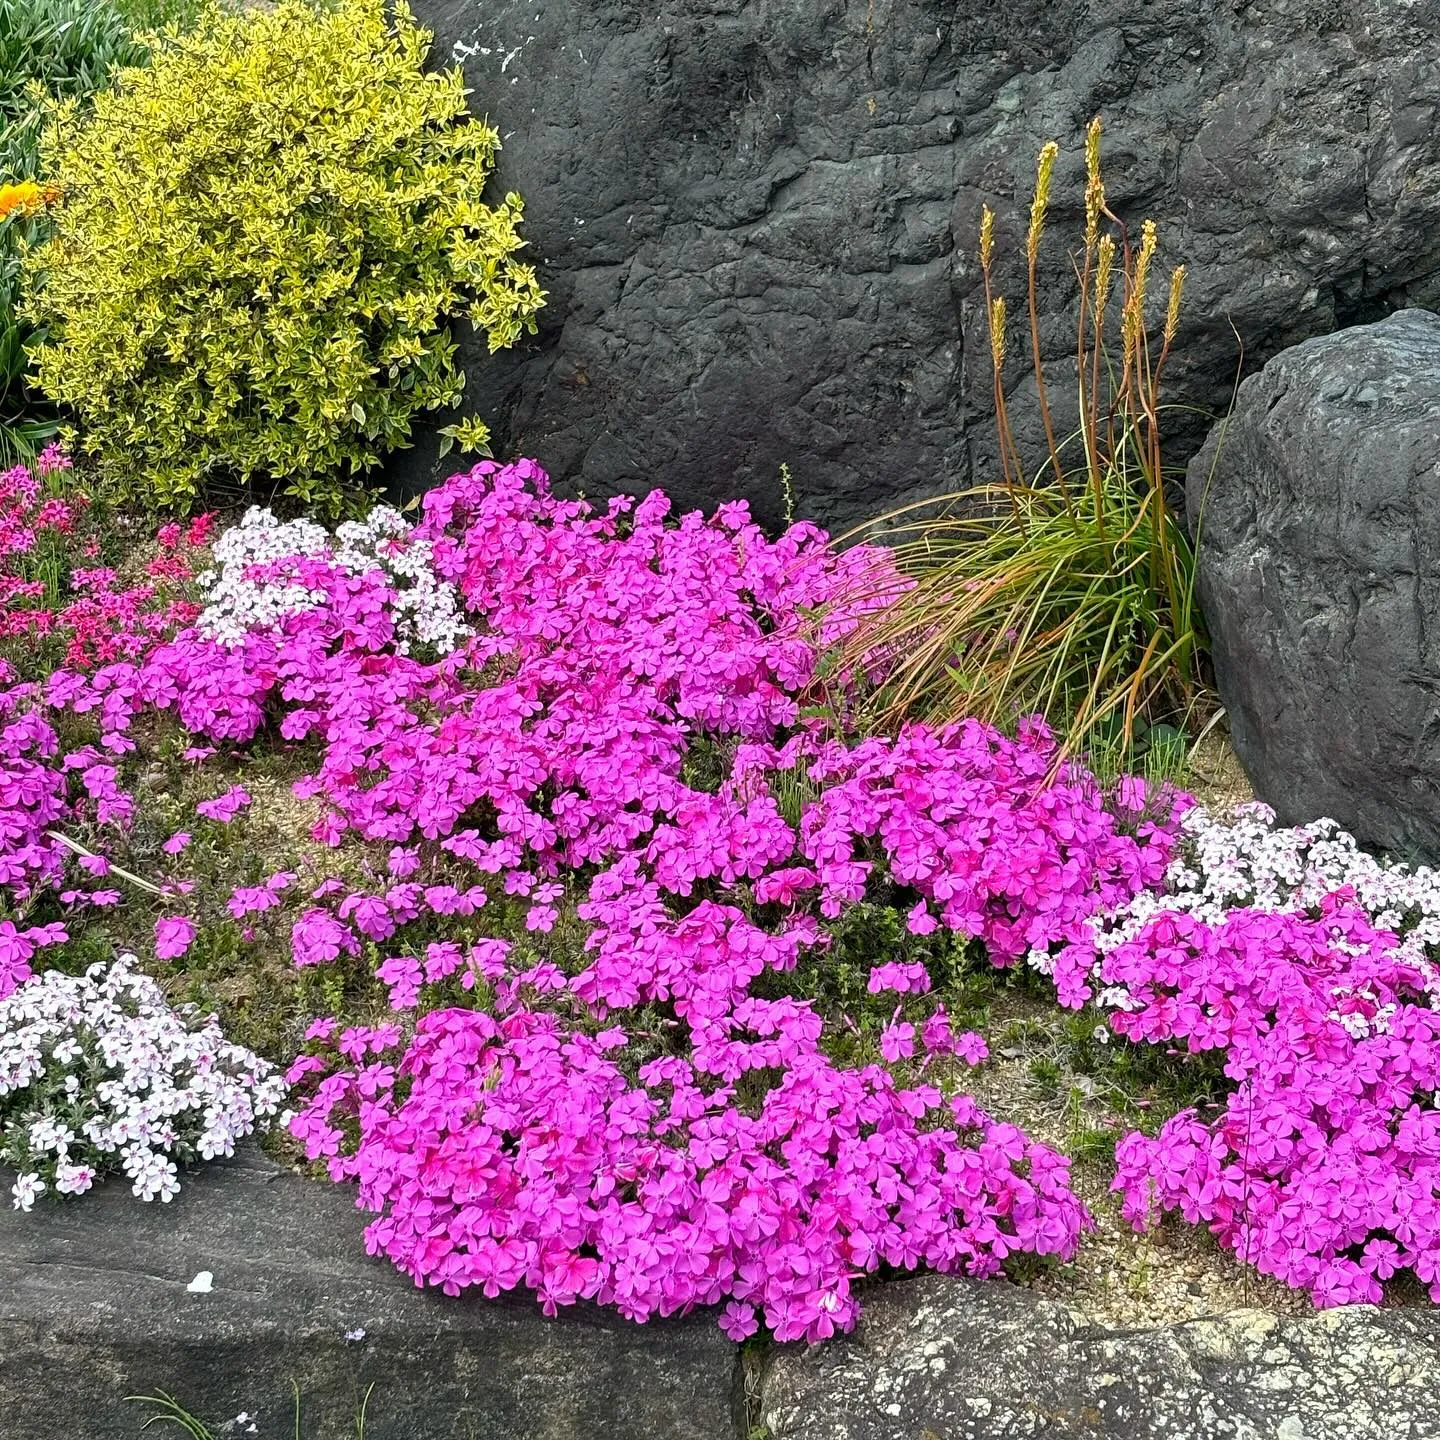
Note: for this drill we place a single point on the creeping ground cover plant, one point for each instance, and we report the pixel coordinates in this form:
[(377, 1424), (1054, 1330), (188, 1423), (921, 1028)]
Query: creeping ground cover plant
[(533, 841), (99, 1074), (589, 845), (1308, 966)]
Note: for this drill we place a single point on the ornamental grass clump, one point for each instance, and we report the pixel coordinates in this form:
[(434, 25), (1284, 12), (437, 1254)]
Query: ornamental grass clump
[(260, 242), (1066, 587)]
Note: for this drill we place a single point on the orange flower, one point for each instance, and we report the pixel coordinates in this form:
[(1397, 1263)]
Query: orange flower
[(25, 198)]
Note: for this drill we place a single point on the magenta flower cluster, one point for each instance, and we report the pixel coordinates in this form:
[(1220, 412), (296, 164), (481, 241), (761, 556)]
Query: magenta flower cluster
[(655, 1129), (528, 1140), (1322, 1168), (51, 589), (660, 1123), (508, 1149)]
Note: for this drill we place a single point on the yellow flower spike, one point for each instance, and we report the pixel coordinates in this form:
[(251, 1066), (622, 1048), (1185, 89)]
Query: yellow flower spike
[(1172, 314), (1041, 202), (1094, 185), (987, 237), (1135, 302), (1148, 240), (997, 332), (1104, 272)]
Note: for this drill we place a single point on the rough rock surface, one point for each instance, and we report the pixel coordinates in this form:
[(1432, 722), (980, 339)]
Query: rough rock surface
[(945, 1359), (757, 218), (1319, 549), (94, 1306)]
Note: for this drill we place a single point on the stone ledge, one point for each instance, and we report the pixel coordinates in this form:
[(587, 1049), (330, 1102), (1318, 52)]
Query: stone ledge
[(94, 1307), (943, 1359)]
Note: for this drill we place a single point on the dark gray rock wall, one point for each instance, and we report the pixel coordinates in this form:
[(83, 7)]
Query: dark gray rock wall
[(94, 1307), (945, 1358), (1319, 565), (757, 218)]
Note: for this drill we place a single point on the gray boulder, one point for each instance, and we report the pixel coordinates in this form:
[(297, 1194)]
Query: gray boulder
[(946, 1359), (757, 218), (1318, 512), (94, 1306)]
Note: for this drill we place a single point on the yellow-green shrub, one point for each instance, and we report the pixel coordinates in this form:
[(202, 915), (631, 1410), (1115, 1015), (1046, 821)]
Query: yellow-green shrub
[(259, 240)]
